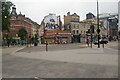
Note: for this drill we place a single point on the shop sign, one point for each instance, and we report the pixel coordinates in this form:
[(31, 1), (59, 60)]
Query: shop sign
[(64, 33), (16, 37), (56, 33)]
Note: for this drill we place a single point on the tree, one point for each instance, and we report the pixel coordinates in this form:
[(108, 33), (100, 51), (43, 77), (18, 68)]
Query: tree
[(22, 33), (6, 6)]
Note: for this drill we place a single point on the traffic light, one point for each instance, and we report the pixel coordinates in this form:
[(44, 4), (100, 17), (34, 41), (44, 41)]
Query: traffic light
[(98, 30)]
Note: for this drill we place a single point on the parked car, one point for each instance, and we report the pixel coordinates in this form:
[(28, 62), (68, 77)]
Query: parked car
[(102, 41), (96, 42)]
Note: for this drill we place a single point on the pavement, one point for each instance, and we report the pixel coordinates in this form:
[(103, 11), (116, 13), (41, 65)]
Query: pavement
[(53, 47), (61, 62), (14, 49), (11, 49), (86, 55), (21, 67)]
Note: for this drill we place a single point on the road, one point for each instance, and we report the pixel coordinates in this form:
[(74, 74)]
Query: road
[(18, 65)]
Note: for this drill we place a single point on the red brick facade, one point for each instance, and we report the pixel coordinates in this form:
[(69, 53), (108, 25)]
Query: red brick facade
[(19, 21)]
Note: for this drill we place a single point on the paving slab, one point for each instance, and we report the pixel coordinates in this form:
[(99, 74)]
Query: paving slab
[(86, 55)]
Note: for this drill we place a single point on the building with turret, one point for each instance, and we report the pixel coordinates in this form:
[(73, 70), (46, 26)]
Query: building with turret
[(90, 16), (18, 21)]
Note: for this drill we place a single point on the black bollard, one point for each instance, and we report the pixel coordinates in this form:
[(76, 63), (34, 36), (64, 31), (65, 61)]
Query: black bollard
[(46, 46), (103, 45)]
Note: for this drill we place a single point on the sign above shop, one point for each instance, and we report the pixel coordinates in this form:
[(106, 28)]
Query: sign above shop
[(57, 34)]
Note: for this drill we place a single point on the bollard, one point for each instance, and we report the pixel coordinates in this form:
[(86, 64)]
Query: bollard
[(46, 46), (103, 45)]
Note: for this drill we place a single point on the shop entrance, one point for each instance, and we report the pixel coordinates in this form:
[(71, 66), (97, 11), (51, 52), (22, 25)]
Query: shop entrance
[(76, 39)]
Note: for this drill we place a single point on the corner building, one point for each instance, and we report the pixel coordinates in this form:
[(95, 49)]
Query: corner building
[(17, 21), (71, 23), (52, 32)]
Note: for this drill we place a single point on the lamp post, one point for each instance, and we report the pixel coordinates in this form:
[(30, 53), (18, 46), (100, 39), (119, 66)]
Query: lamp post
[(91, 31), (98, 30)]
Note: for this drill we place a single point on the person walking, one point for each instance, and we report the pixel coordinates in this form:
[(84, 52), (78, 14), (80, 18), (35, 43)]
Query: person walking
[(87, 41), (8, 42)]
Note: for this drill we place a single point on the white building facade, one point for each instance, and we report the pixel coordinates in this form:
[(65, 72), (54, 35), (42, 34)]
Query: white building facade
[(51, 22)]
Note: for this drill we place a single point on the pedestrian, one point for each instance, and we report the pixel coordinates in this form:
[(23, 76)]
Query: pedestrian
[(8, 42), (87, 41), (22, 42)]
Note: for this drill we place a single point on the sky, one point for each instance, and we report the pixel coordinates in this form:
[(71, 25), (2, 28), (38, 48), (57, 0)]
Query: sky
[(38, 9)]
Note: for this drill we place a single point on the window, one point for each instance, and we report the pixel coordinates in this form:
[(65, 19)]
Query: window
[(77, 19), (12, 26), (77, 26), (74, 25), (13, 31), (73, 31), (77, 32), (81, 32)]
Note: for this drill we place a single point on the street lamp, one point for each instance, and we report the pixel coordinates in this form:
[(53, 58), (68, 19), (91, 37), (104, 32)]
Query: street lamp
[(91, 33), (98, 30), (5, 17)]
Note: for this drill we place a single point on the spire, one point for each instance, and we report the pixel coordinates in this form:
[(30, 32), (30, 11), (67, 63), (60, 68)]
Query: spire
[(20, 12), (14, 8), (13, 11)]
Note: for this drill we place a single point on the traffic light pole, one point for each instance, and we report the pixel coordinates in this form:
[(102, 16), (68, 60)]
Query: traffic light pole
[(98, 30), (91, 37)]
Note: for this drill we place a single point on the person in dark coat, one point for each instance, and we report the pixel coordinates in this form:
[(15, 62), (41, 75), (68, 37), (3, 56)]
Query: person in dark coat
[(8, 42), (87, 42)]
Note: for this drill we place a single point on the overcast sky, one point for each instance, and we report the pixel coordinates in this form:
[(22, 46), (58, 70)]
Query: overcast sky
[(37, 9)]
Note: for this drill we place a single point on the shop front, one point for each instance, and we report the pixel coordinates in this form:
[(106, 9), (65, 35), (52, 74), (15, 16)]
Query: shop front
[(58, 37)]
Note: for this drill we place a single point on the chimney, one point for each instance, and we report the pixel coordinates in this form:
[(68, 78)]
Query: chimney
[(68, 14)]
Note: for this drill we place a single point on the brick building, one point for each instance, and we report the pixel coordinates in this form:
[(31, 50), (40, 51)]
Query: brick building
[(19, 21)]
